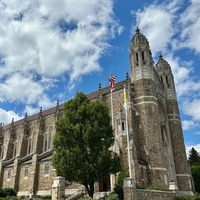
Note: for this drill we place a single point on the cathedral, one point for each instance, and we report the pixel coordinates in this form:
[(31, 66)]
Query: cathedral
[(156, 143)]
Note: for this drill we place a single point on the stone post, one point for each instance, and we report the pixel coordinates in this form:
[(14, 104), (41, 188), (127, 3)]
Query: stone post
[(173, 186), (58, 188), (128, 187)]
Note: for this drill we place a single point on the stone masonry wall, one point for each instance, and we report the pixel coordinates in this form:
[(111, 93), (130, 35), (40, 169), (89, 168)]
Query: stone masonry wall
[(179, 153), (136, 194)]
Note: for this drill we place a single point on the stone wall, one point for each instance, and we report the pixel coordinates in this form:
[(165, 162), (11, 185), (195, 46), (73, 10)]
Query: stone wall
[(136, 194), (131, 193)]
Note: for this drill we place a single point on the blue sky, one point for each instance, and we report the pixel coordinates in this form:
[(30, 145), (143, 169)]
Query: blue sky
[(49, 50)]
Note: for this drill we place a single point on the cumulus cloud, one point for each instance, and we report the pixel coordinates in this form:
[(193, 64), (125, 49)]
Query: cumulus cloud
[(192, 108), (156, 21), (6, 116), (189, 124), (190, 23), (45, 40), (51, 38), (18, 87)]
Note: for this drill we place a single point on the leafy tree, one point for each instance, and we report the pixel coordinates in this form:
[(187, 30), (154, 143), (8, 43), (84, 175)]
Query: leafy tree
[(194, 160), (196, 176), (82, 143), (119, 186), (194, 157)]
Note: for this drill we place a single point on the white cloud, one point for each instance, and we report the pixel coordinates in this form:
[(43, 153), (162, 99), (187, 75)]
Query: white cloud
[(190, 23), (189, 124), (156, 21), (31, 110), (50, 39), (18, 87), (192, 108), (6, 116)]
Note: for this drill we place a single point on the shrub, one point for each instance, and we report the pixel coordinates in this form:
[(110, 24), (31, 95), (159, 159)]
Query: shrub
[(10, 192), (197, 197), (2, 193), (23, 197), (46, 197), (112, 197), (119, 186), (119, 191)]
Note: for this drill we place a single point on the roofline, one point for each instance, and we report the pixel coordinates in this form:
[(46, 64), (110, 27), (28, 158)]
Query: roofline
[(91, 96)]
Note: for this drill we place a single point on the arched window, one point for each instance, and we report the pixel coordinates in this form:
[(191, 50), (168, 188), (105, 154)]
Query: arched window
[(26, 171), (45, 148), (167, 81), (48, 139), (15, 149), (29, 146), (30, 143), (51, 134), (2, 152), (49, 142), (8, 173), (137, 59), (142, 55), (46, 168)]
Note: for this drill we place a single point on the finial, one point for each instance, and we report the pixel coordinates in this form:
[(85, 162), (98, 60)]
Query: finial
[(160, 56), (57, 102), (12, 120), (41, 109), (25, 118), (127, 76), (99, 86), (137, 30)]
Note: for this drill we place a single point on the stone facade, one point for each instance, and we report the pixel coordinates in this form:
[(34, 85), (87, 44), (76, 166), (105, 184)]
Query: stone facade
[(157, 148), (131, 193), (135, 194)]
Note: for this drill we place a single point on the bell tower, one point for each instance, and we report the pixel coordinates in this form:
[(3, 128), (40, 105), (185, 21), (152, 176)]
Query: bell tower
[(175, 128), (143, 83), (141, 60)]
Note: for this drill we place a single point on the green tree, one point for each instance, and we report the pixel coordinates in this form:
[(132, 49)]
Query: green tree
[(194, 160), (194, 157), (119, 186), (82, 143), (196, 176)]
